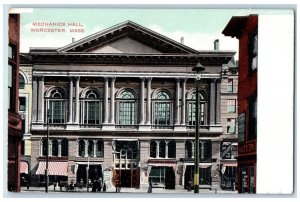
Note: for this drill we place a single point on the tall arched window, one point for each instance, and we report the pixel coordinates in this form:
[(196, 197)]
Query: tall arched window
[(54, 147), (100, 149), (172, 149), (153, 149), (188, 149), (192, 109), (64, 147), (91, 148), (162, 111), (44, 147), (81, 148), (21, 82), (92, 107), (127, 108), (57, 107)]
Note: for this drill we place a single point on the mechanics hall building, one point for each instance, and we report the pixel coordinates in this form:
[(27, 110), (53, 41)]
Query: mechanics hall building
[(120, 106)]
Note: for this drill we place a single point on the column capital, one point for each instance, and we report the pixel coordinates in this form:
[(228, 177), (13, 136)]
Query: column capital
[(142, 79), (183, 79), (112, 79), (149, 79), (40, 77)]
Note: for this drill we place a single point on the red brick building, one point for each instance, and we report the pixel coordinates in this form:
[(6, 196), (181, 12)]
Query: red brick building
[(245, 28), (14, 119)]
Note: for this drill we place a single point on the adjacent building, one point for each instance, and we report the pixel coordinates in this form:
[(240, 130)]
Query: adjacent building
[(245, 28), (119, 106), (15, 134)]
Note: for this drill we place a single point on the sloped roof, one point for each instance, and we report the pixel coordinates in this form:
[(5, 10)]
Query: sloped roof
[(132, 30)]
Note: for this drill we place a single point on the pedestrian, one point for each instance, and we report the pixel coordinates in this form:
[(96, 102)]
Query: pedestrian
[(104, 187), (150, 187), (99, 183), (189, 186), (94, 188), (54, 185)]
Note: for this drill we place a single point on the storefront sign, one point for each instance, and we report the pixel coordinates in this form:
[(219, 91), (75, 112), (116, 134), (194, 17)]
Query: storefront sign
[(247, 148)]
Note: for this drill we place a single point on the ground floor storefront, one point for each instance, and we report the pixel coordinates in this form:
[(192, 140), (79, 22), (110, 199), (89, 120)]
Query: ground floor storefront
[(130, 163)]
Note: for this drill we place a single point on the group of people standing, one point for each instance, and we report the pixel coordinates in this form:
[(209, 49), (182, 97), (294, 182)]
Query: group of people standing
[(97, 186)]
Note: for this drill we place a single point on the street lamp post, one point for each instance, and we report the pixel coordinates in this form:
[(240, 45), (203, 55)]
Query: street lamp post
[(47, 155), (198, 69)]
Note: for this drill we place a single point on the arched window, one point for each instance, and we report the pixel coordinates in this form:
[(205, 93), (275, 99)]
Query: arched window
[(81, 148), (44, 147), (54, 148), (153, 149), (91, 147), (162, 109), (189, 149), (192, 109), (92, 107), (57, 107), (127, 108), (172, 149), (162, 149), (21, 82), (64, 147), (205, 151), (100, 149)]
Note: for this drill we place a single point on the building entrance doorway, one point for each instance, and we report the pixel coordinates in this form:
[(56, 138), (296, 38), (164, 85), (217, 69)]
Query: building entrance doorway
[(94, 173)]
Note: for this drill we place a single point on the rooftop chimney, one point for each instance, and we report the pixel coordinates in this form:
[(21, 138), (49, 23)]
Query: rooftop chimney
[(216, 44), (73, 40), (182, 40)]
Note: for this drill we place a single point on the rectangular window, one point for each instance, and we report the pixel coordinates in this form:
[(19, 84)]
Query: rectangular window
[(231, 106), (230, 85), (241, 127), (192, 113), (162, 113), (127, 111), (253, 50), (22, 104), (231, 126), (252, 128), (11, 52)]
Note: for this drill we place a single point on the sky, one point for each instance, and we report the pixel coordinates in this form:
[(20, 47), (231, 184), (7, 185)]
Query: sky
[(199, 27)]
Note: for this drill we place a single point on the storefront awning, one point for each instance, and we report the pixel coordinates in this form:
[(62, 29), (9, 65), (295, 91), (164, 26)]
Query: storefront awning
[(228, 164), (55, 168), (23, 167), (201, 165)]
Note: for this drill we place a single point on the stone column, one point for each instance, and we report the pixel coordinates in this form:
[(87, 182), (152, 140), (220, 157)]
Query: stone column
[(142, 89), (112, 100), (59, 148), (157, 149), (177, 102), (95, 148), (40, 103), (77, 105), (105, 101), (34, 99), (212, 102), (41, 148), (167, 148), (70, 118), (148, 120), (50, 148), (193, 149), (183, 92), (86, 148), (218, 103)]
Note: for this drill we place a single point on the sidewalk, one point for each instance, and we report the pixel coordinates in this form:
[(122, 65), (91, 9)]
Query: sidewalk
[(123, 190)]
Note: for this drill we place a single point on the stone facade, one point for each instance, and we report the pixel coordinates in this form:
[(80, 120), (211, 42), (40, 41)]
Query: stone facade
[(142, 126)]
